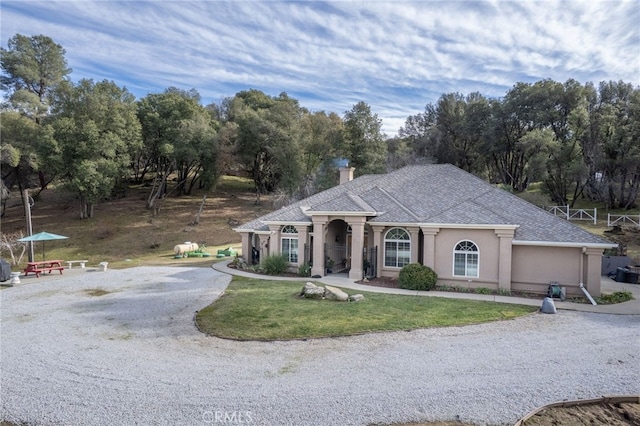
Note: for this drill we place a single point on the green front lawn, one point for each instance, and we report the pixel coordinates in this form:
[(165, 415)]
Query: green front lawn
[(254, 309)]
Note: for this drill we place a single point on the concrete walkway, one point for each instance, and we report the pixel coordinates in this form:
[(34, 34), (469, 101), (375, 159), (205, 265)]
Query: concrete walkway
[(608, 286)]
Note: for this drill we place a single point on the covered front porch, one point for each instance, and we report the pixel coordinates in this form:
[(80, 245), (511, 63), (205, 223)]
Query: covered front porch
[(329, 244)]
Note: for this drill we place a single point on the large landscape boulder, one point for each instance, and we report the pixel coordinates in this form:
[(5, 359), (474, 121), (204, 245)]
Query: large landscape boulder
[(548, 307), (312, 291), (333, 293)]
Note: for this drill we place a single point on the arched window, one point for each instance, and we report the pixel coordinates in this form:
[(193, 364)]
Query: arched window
[(465, 259), (397, 248), (289, 243)]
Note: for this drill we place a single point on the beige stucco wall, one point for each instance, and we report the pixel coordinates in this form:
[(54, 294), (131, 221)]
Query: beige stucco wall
[(488, 245), (535, 267), (531, 269), (445, 241), (337, 227)]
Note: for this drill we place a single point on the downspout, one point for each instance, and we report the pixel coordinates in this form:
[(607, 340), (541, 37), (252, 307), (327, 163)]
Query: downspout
[(586, 293), (582, 287), (584, 250)]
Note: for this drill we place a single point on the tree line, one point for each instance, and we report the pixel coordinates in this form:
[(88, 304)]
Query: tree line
[(95, 138), (578, 140)]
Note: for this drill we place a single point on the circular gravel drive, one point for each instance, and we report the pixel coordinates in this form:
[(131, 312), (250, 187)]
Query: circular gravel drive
[(120, 348)]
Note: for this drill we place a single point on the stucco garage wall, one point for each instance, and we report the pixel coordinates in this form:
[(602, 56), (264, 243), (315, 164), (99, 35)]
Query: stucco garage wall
[(488, 248), (533, 268)]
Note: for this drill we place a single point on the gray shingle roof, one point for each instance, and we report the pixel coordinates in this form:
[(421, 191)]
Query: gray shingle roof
[(438, 194), (347, 202)]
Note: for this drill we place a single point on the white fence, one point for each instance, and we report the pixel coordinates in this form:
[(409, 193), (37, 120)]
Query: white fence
[(574, 214), (619, 219)]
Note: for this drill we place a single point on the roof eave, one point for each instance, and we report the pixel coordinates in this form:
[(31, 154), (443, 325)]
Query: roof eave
[(564, 244), (341, 213), (450, 225), (254, 231), (287, 222)]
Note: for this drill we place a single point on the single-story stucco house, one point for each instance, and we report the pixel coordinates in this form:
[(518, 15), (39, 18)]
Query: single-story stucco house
[(468, 231)]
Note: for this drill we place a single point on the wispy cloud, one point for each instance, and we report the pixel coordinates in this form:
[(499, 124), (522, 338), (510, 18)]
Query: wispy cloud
[(396, 56)]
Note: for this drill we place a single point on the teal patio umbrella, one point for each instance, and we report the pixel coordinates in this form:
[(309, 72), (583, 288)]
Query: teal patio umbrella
[(43, 236)]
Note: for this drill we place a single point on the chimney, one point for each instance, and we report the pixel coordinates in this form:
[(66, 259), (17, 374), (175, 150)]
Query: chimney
[(346, 174)]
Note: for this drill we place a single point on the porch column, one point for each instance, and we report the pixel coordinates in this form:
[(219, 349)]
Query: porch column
[(303, 237), (319, 234), (592, 268), (274, 247), (246, 245), (357, 245), (377, 242), (264, 246), (414, 233), (429, 249), (504, 258)]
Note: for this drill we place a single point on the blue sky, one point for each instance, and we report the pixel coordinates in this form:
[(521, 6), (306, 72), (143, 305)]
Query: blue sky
[(395, 56)]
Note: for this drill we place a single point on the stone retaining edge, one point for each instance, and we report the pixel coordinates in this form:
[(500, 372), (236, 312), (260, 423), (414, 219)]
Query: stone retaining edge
[(573, 403)]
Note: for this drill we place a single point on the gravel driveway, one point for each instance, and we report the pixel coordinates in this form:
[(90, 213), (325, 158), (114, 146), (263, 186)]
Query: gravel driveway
[(71, 356)]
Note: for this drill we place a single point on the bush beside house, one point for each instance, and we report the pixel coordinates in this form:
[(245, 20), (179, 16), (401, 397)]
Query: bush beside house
[(415, 276)]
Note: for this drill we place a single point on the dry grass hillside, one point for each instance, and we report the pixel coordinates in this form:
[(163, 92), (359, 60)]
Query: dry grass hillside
[(125, 233)]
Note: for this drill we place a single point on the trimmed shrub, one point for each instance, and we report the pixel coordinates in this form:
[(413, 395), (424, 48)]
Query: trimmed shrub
[(415, 276), (276, 264), (304, 270)]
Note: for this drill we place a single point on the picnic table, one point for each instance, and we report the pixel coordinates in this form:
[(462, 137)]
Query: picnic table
[(42, 267)]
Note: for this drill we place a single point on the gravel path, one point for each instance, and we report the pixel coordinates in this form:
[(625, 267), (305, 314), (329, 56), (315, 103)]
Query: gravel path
[(133, 356)]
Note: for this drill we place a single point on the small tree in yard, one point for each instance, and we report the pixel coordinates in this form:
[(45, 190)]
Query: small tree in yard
[(16, 249), (415, 276)]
